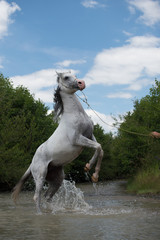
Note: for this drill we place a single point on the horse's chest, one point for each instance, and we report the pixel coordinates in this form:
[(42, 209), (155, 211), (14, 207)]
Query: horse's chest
[(86, 126)]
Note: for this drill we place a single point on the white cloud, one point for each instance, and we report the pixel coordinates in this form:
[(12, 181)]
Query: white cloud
[(150, 10), (144, 41), (137, 85), (6, 10), (127, 33), (105, 121), (132, 9), (92, 4), (135, 63), (67, 63), (40, 83), (41, 79), (120, 95), (89, 4), (1, 59), (45, 95)]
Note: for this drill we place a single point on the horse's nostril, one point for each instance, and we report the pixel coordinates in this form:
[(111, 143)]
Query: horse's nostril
[(81, 84)]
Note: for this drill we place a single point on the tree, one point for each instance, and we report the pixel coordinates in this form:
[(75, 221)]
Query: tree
[(24, 125), (133, 149)]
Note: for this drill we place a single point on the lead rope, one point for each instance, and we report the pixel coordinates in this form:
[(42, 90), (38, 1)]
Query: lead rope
[(124, 130)]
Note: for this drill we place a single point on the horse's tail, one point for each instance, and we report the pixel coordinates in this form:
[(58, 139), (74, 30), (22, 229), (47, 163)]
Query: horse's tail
[(19, 185)]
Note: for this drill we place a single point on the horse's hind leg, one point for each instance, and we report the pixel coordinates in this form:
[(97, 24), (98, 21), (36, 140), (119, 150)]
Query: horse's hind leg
[(39, 177), (37, 196), (55, 178), (52, 189)]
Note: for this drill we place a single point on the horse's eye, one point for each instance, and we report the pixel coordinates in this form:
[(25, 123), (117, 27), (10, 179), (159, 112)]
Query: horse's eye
[(66, 78)]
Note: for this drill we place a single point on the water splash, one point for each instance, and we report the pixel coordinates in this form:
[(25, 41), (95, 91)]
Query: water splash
[(95, 186), (87, 177), (68, 198)]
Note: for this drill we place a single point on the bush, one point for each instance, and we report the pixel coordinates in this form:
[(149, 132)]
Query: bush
[(145, 181)]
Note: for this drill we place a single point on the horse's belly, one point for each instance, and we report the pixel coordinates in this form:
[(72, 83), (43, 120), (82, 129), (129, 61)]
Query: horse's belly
[(66, 155), (62, 152)]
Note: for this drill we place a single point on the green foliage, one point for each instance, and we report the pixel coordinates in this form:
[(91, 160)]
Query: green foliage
[(24, 125), (134, 152), (145, 181)]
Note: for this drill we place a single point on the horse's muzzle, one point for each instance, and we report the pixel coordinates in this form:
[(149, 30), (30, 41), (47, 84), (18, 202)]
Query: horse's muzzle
[(81, 84)]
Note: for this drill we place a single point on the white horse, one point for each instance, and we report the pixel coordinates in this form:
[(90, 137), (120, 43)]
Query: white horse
[(75, 131)]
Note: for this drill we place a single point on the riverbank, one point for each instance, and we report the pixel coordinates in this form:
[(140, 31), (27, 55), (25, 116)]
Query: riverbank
[(145, 182)]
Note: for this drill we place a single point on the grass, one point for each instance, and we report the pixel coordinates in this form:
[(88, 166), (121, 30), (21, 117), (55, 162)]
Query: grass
[(145, 181)]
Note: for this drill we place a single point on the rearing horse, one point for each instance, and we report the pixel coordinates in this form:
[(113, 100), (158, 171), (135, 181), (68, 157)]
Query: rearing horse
[(74, 132)]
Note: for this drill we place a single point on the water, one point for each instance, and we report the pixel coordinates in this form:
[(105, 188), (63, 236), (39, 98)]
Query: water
[(103, 212)]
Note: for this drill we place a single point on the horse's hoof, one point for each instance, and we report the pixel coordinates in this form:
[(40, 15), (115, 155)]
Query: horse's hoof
[(94, 180), (87, 167)]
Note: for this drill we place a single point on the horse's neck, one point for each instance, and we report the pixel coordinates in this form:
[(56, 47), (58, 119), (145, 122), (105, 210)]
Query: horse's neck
[(71, 103)]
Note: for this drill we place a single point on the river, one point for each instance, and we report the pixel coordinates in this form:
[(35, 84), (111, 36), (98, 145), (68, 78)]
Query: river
[(85, 211)]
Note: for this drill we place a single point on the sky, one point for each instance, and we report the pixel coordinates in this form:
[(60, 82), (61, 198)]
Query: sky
[(113, 45)]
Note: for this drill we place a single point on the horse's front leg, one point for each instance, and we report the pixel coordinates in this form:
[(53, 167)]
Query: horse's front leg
[(85, 142)]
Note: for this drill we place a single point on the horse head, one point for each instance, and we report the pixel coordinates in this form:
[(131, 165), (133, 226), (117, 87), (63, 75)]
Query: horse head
[(69, 83)]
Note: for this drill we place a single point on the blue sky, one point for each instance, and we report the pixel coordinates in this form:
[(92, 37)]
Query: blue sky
[(114, 45)]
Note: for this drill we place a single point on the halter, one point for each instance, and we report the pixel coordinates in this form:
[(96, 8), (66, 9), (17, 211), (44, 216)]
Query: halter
[(64, 84)]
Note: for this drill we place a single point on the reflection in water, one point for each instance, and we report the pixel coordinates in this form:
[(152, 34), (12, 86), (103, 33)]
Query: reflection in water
[(108, 213)]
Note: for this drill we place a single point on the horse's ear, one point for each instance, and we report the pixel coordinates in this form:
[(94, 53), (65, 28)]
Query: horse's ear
[(59, 75)]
